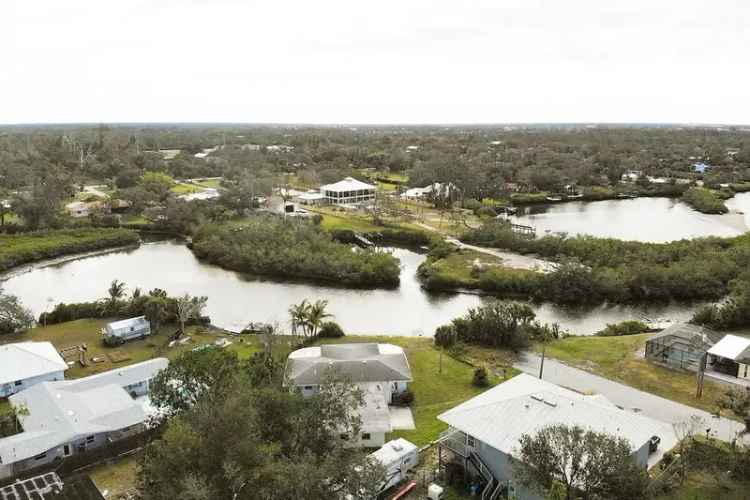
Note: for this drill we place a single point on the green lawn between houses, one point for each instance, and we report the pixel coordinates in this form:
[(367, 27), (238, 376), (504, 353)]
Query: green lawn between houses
[(622, 359)]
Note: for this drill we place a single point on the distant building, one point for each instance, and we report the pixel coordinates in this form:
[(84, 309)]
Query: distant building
[(205, 194), (381, 371), (700, 168), (349, 191), (121, 331), (66, 418), (311, 197), (84, 209), (25, 364), (484, 432)]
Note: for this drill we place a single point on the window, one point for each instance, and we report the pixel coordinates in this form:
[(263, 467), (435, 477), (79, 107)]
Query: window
[(366, 436), (470, 441), (308, 388), (19, 382), (41, 457), (90, 439), (344, 437)]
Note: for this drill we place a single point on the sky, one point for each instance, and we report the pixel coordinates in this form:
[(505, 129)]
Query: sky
[(379, 62)]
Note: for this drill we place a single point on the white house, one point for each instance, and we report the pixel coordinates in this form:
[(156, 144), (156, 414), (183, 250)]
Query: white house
[(485, 432), (381, 371), (311, 197), (25, 364), (730, 356), (64, 418), (349, 191), (121, 331)]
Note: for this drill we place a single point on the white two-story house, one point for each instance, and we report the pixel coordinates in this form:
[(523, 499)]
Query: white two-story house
[(381, 371)]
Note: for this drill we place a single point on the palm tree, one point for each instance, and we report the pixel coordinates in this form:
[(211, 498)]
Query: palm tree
[(316, 313), (116, 291), (299, 316)]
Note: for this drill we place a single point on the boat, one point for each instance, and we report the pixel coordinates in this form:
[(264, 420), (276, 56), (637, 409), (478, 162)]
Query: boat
[(554, 198), (576, 196), (626, 196)]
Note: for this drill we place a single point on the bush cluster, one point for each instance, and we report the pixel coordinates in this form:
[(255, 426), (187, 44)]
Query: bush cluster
[(273, 246)]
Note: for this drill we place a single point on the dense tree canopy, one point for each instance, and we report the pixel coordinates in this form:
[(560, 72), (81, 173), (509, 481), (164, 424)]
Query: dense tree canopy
[(235, 432)]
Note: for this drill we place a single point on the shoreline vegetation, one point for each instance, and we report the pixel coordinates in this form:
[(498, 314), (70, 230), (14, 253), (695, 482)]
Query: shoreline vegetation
[(594, 270), (707, 201), (271, 246), (26, 248)]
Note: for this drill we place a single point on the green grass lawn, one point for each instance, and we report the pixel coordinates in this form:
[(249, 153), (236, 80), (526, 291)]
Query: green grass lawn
[(87, 331), (209, 183), (185, 189), (116, 477), (705, 486), (621, 359), (434, 391)]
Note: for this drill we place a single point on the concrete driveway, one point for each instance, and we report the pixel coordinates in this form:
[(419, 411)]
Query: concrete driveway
[(656, 407)]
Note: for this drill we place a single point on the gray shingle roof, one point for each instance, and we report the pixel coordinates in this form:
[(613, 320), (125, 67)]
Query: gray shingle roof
[(356, 362)]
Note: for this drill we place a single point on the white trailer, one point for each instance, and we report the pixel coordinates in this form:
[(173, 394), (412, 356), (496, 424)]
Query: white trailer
[(398, 457)]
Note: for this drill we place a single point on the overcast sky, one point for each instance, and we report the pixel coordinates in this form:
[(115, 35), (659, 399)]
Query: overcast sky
[(382, 61)]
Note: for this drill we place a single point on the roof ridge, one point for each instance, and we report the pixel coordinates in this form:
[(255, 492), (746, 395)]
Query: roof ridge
[(18, 346)]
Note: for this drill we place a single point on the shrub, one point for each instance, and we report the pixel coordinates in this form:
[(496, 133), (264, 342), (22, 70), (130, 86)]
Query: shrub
[(445, 336), (403, 399), (480, 378), (330, 330), (630, 327), (485, 212)]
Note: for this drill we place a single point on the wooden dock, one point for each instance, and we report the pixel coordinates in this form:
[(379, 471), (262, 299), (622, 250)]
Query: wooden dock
[(522, 229)]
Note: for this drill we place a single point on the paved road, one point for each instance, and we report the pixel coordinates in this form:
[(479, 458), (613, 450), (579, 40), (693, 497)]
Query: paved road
[(629, 398)]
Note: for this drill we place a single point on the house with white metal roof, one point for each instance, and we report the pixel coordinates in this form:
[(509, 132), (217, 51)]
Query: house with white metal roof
[(25, 364), (381, 371), (349, 191), (121, 331), (63, 418), (730, 356), (485, 432)]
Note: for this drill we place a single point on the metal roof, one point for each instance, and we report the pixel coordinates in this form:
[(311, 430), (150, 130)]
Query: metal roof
[(393, 451), (361, 362), (25, 360), (59, 412), (698, 335), (525, 405), (127, 323), (348, 184), (731, 347)]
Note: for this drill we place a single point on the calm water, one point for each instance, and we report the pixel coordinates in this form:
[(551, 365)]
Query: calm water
[(640, 219), (234, 299)]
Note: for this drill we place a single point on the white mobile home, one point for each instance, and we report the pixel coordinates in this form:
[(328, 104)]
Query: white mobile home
[(25, 364), (121, 331)]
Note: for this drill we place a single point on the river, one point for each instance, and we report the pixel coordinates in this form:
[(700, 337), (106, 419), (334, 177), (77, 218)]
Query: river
[(235, 299), (655, 220)]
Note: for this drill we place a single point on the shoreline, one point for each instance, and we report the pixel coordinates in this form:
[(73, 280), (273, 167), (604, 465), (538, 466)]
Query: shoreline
[(40, 264)]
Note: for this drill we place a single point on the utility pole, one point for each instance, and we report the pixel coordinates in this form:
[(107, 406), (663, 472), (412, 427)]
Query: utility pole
[(541, 365), (701, 375)]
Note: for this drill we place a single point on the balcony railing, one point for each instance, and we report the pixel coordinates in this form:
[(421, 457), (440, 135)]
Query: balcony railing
[(455, 441)]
